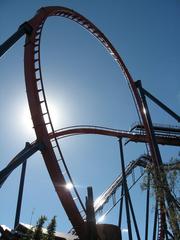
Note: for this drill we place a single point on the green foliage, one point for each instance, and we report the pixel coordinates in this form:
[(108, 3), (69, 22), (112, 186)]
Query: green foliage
[(165, 188), (51, 229), (171, 172), (36, 233), (28, 235), (173, 176)]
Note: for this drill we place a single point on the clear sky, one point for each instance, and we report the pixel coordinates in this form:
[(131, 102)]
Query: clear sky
[(85, 86)]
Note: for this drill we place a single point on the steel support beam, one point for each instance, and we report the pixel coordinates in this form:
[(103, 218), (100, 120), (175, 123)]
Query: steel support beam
[(162, 105), (90, 216), (133, 217), (161, 179), (20, 194), (155, 221), (147, 206), (120, 211), (25, 28), (147, 113), (128, 217), (121, 207), (27, 152)]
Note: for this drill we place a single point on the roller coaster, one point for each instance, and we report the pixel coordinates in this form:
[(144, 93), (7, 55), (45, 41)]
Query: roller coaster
[(83, 220)]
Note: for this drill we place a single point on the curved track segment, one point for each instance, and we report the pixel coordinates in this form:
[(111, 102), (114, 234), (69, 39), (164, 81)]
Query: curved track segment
[(103, 198), (142, 161), (37, 102), (42, 15), (171, 140)]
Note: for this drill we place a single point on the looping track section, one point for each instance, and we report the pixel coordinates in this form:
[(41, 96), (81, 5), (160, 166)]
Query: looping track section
[(39, 107)]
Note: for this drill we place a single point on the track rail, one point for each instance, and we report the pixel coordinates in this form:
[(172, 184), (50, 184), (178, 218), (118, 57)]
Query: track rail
[(142, 161), (172, 140), (103, 198), (39, 108)]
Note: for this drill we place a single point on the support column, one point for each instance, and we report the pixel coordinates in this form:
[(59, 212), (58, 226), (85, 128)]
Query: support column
[(25, 28), (91, 220), (147, 206), (20, 195), (125, 191), (120, 211), (160, 176)]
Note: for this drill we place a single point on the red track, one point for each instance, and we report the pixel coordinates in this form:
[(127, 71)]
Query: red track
[(37, 102), (134, 137)]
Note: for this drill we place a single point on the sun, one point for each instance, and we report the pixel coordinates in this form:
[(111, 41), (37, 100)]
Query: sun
[(54, 112), (24, 121), (59, 112), (57, 115)]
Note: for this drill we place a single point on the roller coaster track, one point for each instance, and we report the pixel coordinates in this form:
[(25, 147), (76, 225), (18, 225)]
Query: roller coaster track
[(104, 197), (45, 132), (30, 149), (110, 192), (142, 161), (172, 140), (99, 203)]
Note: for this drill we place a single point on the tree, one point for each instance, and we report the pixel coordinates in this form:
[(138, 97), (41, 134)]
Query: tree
[(165, 188), (38, 233), (51, 229)]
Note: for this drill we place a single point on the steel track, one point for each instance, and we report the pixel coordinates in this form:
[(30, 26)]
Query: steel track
[(171, 140), (39, 107)]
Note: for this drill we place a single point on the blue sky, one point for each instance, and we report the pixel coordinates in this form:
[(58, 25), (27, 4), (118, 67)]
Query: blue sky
[(85, 86)]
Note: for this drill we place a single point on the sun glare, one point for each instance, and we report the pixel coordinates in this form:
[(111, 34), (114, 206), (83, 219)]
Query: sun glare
[(54, 114), (69, 186), (101, 219), (57, 115), (25, 121)]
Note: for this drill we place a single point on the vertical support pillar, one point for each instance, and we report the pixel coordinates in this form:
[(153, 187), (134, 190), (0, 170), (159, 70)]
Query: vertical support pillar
[(134, 218), (125, 191), (156, 152), (120, 211), (121, 207), (147, 207), (155, 221), (91, 220), (147, 113), (20, 195), (160, 176)]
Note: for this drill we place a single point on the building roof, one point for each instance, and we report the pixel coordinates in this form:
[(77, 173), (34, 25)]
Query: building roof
[(22, 227)]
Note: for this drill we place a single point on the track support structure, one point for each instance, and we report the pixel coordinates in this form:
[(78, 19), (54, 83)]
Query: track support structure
[(20, 195), (25, 28), (128, 217), (91, 220)]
